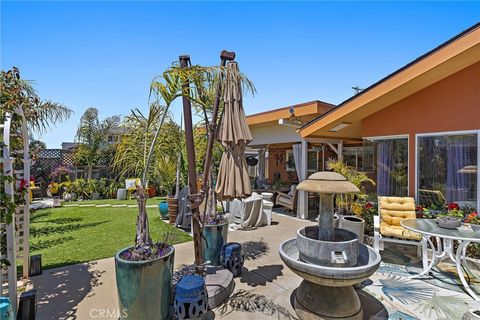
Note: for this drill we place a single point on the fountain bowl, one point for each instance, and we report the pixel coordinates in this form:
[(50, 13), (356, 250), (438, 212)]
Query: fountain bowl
[(342, 251), (368, 262)]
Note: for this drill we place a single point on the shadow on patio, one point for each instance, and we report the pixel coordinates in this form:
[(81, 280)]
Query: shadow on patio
[(60, 290)]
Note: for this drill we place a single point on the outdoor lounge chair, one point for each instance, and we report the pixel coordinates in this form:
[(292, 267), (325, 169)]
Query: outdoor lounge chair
[(288, 200), (387, 228)]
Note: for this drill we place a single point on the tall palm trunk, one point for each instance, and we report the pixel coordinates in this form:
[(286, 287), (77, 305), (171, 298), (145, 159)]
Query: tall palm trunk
[(143, 233)]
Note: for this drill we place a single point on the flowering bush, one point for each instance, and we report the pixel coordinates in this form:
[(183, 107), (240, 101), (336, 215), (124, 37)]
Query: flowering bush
[(369, 210), (423, 212), (472, 218)]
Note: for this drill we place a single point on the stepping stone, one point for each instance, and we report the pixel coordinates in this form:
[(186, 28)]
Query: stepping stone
[(87, 205), (220, 285), (151, 206), (103, 205), (70, 205), (132, 205), (119, 205)]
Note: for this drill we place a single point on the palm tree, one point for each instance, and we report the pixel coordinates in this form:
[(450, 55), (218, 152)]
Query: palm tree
[(40, 114), (137, 149), (92, 134), (346, 202)]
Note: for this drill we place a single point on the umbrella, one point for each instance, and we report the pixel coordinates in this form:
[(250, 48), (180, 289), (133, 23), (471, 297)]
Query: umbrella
[(233, 133)]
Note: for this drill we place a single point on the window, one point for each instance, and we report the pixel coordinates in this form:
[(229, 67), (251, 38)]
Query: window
[(391, 165), (312, 161), (361, 158), (447, 169)]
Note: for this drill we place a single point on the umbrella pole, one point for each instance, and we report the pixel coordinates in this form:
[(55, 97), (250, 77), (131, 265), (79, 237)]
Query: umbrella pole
[(212, 127), (192, 177)]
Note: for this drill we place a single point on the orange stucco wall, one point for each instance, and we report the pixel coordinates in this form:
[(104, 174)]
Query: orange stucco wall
[(452, 104)]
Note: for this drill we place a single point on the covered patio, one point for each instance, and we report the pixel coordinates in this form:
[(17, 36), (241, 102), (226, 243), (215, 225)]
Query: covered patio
[(285, 157)]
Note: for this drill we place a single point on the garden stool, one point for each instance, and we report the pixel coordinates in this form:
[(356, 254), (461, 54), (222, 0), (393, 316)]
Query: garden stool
[(232, 257), (191, 298), (6, 310)]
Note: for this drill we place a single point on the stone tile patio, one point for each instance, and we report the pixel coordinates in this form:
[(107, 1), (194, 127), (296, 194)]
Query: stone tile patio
[(88, 290)]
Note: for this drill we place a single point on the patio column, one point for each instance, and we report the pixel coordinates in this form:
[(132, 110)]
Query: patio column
[(261, 164), (302, 196)]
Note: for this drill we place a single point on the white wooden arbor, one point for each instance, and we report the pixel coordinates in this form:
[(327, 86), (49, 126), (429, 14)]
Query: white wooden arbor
[(15, 162)]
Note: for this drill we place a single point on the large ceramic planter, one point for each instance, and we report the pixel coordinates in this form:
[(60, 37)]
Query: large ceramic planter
[(172, 209), (95, 196), (144, 287), (354, 224), (214, 237), (121, 194), (163, 209)]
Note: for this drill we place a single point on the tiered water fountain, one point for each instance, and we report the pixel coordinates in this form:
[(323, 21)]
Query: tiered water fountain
[(329, 259)]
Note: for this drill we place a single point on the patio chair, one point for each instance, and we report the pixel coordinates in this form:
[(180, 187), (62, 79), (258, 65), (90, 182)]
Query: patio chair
[(387, 228), (288, 200)]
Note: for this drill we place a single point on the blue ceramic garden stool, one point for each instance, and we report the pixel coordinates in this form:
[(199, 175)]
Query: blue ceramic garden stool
[(6, 310), (191, 298), (232, 257)]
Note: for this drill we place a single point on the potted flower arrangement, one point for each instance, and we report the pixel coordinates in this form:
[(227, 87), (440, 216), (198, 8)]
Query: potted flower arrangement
[(453, 218)]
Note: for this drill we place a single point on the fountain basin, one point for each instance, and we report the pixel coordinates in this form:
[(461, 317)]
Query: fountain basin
[(341, 252), (368, 262)]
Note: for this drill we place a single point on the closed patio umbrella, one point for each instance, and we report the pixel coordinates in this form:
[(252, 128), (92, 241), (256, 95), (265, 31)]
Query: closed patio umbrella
[(233, 133)]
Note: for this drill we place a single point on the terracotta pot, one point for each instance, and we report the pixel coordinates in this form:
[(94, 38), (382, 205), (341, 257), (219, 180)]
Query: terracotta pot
[(172, 209), (152, 192)]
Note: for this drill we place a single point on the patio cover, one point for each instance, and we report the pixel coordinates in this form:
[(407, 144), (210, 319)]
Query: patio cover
[(233, 133)]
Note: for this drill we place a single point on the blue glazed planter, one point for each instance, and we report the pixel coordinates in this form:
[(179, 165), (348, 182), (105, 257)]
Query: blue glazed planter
[(163, 209), (144, 287), (215, 236), (6, 310)]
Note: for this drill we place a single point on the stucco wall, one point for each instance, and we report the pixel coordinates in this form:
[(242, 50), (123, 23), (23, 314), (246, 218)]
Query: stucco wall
[(451, 104)]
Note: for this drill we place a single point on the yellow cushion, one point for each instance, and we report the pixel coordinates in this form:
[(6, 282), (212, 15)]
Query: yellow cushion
[(392, 211)]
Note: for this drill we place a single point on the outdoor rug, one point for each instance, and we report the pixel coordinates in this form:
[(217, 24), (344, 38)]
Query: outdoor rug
[(437, 296)]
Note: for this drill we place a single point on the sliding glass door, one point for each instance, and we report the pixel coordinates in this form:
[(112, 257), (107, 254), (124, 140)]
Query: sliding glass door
[(391, 165), (447, 169)]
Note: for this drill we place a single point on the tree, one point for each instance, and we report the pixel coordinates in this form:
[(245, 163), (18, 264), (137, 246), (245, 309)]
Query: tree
[(92, 135)]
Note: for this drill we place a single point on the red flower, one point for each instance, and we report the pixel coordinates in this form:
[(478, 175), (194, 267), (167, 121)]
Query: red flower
[(419, 208), (368, 205), (453, 206), (23, 184)]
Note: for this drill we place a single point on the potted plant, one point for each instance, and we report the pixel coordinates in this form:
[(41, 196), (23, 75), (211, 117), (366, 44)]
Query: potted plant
[(69, 191), (453, 218), (81, 187), (144, 271), (215, 229), (93, 189), (348, 209)]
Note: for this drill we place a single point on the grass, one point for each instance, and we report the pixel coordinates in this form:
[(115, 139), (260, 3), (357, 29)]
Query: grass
[(72, 235), (154, 200)]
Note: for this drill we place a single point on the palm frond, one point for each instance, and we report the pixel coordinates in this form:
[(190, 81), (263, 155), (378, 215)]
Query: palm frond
[(446, 307)]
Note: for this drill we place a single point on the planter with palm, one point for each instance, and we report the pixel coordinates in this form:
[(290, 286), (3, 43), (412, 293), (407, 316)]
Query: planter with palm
[(348, 205)]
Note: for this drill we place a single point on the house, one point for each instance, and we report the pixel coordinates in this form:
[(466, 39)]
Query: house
[(416, 131)]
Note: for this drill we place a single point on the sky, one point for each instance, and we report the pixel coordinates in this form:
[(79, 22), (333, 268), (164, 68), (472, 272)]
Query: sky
[(105, 54)]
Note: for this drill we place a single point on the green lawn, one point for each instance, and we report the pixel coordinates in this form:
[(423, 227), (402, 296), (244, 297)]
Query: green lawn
[(154, 200), (71, 235)]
